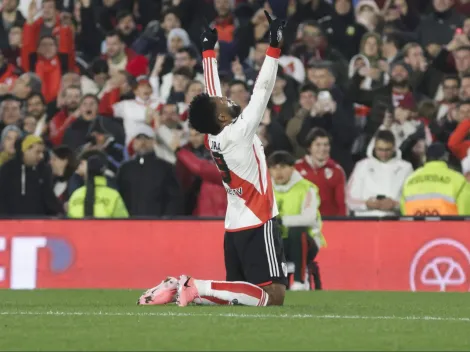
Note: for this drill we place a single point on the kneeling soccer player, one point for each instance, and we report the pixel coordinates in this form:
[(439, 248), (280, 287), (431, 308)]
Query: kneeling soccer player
[(256, 271)]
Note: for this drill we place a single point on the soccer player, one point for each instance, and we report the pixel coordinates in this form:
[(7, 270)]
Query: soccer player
[(256, 270)]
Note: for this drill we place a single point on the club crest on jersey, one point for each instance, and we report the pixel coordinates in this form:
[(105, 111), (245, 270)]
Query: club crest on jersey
[(235, 191), (215, 146)]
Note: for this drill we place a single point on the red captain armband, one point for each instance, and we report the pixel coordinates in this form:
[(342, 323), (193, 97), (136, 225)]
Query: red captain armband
[(273, 52), (208, 53), (206, 141)]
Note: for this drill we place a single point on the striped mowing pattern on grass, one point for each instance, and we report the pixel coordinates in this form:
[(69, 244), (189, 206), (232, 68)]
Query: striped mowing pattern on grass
[(237, 315)]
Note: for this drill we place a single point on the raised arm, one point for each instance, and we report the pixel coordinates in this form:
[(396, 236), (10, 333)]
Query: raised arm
[(253, 114), (209, 63)]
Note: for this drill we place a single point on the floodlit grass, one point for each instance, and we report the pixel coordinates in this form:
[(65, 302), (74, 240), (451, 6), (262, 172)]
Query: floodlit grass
[(103, 320)]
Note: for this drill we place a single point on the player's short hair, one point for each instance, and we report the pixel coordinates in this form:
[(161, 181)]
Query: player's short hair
[(386, 136), (315, 133), (203, 115), (281, 158)]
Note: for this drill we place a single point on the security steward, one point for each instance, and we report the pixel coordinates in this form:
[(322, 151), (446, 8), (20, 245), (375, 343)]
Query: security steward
[(298, 201), (434, 189), (96, 199)]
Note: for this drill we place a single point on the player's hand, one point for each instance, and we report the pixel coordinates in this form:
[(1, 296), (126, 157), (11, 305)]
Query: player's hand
[(209, 37), (276, 28)]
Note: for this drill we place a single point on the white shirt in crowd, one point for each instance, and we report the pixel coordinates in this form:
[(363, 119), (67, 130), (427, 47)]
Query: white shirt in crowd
[(167, 84), (371, 178), (134, 112)]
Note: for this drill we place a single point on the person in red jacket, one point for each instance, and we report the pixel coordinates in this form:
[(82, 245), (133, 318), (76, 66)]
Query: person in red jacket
[(195, 165), (459, 142), (65, 117), (48, 25), (8, 75), (325, 173), (49, 65)]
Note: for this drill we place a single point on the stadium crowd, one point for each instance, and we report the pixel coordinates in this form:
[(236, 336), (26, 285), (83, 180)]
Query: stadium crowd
[(366, 87)]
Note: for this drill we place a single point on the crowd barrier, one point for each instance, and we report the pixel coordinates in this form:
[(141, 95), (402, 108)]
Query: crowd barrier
[(361, 255)]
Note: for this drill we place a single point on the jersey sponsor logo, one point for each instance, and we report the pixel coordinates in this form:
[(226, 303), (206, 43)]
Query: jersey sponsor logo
[(215, 146), (235, 191)]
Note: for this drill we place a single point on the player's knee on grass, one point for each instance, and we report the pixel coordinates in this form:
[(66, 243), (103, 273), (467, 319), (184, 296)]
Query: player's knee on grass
[(276, 293)]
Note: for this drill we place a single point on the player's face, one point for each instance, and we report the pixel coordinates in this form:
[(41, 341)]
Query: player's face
[(281, 174), (227, 108)]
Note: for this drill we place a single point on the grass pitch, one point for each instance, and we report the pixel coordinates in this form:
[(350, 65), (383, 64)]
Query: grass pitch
[(109, 320)]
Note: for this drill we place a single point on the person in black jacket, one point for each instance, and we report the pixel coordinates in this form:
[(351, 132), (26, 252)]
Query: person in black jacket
[(26, 182), (76, 134), (147, 184)]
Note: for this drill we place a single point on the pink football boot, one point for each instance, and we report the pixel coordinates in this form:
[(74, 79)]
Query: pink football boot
[(187, 291), (163, 293)]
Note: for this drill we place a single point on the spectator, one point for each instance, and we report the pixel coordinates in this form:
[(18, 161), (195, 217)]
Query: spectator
[(76, 133), (118, 55), (239, 93), (142, 109), (60, 40), (127, 27), (11, 17), (181, 78), (328, 114), (450, 89), (464, 92), (68, 114), (282, 110), (10, 134), (388, 95), (439, 26), (459, 142), (49, 65), (26, 183), (63, 165), (185, 57), (367, 13), (391, 45), (374, 188), (325, 173), (99, 138), (27, 84), (36, 107), (10, 112), (96, 199), (225, 22), (8, 74), (194, 88), (148, 184), (204, 193), (343, 28), (425, 193), (307, 101), (314, 46), (272, 135), (12, 54)]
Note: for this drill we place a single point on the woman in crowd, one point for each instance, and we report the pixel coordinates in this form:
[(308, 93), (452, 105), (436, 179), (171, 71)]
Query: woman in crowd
[(9, 136)]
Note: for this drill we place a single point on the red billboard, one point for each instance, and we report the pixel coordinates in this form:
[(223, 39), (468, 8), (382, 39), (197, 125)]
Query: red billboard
[(361, 255)]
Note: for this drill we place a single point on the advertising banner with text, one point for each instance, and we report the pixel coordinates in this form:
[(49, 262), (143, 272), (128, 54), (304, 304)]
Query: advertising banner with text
[(361, 255)]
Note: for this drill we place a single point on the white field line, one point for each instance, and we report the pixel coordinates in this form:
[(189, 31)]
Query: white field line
[(239, 315)]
